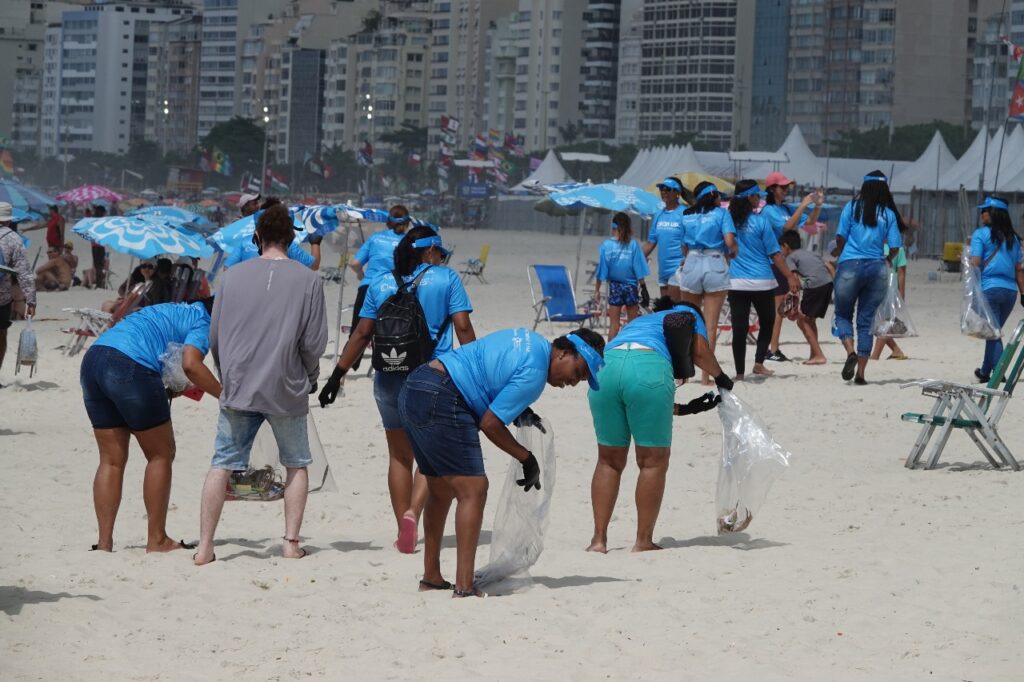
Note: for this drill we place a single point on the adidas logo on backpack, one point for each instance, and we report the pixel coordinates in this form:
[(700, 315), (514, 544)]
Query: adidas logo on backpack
[(401, 336), (393, 358)]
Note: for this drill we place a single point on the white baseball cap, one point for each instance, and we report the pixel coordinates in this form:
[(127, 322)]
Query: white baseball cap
[(246, 198), (6, 214)]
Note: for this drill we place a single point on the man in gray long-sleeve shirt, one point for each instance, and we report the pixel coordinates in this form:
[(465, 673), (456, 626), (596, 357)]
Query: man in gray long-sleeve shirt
[(267, 333), (13, 256)]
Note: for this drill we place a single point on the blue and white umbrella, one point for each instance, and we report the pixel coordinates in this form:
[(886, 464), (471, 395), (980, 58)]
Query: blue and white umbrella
[(25, 198), (20, 216), (140, 237), (609, 197), (376, 215), (240, 232), (172, 215), (318, 220)]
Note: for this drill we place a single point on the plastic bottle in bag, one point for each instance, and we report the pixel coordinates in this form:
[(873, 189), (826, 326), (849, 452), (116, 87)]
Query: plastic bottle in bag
[(751, 461), (28, 349), (892, 319), (976, 316)]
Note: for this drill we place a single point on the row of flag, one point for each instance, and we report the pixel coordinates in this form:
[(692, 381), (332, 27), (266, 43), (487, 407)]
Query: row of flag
[(273, 183), (1016, 112)]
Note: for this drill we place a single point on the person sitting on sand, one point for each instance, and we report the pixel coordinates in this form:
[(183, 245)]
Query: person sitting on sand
[(446, 307), (636, 402), (268, 331), (72, 261), (817, 275), (481, 386), (54, 274), (124, 396), (751, 279)]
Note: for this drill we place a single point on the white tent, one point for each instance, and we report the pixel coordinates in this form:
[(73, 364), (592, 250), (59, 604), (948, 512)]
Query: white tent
[(968, 164), (549, 172), (653, 165), (925, 172), (1009, 169), (803, 166), (969, 176)]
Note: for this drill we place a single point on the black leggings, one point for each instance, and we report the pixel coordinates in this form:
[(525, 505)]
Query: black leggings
[(739, 307)]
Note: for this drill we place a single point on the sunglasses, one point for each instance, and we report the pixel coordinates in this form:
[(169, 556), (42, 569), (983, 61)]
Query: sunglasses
[(147, 267)]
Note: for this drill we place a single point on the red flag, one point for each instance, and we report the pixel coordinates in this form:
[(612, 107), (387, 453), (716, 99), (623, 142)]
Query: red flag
[(1017, 99)]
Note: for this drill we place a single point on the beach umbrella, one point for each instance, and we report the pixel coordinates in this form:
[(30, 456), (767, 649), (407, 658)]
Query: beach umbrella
[(172, 215), (20, 216), (375, 215), (141, 237), (691, 179), (25, 198), (89, 194), (229, 237)]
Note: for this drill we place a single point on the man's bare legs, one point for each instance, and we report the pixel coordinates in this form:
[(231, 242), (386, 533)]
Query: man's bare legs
[(214, 492), (650, 488), (296, 490), (809, 327), (470, 498), (604, 490), (109, 479), (158, 446), (439, 500)]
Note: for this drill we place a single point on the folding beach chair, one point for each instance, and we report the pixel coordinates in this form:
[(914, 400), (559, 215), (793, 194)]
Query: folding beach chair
[(976, 409), (474, 267), (725, 325), (91, 323), (558, 298)]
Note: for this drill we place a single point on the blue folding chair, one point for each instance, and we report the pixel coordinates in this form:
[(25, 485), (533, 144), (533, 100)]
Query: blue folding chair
[(558, 297)]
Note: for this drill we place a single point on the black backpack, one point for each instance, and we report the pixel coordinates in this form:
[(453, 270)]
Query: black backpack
[(401, 336)]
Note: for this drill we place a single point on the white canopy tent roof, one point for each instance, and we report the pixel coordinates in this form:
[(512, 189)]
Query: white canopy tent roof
[(549, 172), (652, 165), (968, 164), (803, 166), (927, 170), (1010, 168)]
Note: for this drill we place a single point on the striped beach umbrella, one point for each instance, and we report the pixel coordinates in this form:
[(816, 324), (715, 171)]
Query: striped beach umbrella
[(87, 194), (25, 198), (141, 237)]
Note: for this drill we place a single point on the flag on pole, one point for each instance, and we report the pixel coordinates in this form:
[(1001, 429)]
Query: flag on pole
[(6, 162), (275, 182), (220, 162), (414, 158), (365, 155), (250, 184), (1016, 50), (1016, 112)]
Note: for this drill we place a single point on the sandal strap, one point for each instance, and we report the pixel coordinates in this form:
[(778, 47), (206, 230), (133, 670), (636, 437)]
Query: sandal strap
[(287, 539)]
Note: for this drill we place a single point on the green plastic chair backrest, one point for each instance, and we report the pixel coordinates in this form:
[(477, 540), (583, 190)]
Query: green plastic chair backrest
[(1009, 366)]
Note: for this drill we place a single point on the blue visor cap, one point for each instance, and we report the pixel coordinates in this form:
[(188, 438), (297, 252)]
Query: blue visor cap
[(427, 242), (398, 220), (670, 183), (593, 359), (992, 202), (875, 178), (710, 189), (753, 191)]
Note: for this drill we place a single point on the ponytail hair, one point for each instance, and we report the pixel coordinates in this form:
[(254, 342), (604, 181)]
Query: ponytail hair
[(706, 203), (625, 228), (407, 257), (1001, 226)]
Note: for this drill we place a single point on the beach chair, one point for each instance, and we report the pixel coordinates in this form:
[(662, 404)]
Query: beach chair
[(558, 298), (725, 325), (474, 267), (976, 409), (91, 323)]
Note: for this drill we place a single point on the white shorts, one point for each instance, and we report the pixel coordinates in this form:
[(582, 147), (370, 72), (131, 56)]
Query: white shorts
[(703, 272)]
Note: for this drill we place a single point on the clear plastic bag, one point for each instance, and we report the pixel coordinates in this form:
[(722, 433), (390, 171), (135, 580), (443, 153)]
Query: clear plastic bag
[(521, 519), (28, 349), (265, 456), (892, 319), (976, 316), (171, 371), (751, 461)]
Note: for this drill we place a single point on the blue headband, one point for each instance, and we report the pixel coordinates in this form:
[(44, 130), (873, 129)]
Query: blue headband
[(398, 220), (710, 189), (876, 178), (755, 190), (670, 183), (593, 359), (992, 202), (427, 242)]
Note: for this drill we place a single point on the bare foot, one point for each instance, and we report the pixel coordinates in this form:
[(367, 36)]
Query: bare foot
[(763, 371), (102, 548), (207, 559), (598, 546), (291, 549), (818, 360), (167, 545), (645, 546), (738, 377)]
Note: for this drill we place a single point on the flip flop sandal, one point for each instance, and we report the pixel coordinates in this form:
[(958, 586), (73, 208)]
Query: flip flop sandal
[(850, 366), (443, 586), (302, 550), (468, 593), (208, 562), (186, 545)]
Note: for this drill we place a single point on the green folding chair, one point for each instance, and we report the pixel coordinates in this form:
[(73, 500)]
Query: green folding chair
[(975, 409)]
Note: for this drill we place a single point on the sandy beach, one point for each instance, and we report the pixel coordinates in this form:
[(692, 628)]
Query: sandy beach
[(855, 569)]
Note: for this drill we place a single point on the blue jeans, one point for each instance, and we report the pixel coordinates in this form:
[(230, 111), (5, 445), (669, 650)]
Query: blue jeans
[(236, 431), (860, 283), (1002, 302)]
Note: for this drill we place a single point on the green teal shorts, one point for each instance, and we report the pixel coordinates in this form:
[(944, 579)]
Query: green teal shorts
[(900, 261), (635, 400)]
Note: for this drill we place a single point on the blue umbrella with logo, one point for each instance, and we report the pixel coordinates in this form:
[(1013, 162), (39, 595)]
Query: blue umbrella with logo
[(240, 232), (25, 198), (141, 237)]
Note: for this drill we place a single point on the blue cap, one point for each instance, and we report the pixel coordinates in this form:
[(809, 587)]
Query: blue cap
[(427, 242), (398, 220), (710, 189), (593, 359), (752, 191), (875, 178), (992, 202), (670, 183)]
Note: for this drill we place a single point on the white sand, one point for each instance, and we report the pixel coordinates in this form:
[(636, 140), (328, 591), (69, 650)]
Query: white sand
[(855, 569)]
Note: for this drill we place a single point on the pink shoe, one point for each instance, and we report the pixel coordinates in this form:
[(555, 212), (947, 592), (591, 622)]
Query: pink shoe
[(407, 535)]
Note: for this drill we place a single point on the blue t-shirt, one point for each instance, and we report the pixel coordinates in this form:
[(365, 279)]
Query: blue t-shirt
[(757, 242), (378, 254), (667, 233), (440, 294), (778, 215), (143, 336), (707, 230), (621, 263), (1001, 271), (248, 251), (864, 242), (504, 372), (648, 330)]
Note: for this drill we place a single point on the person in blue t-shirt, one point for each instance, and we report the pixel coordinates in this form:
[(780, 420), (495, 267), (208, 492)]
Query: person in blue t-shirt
[(124, 396), (377, 256), (751, 280), (782, 219), (996, 250), (249, 250), (667, 232), (621, 263), (439, 290), (636, 402), (709, 239), (866, 224), (482, 386)]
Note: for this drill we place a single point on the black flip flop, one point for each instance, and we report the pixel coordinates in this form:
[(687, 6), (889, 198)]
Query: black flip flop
[(850, 366), (443, 585), (186, 545), (95, 548), (860, 381)]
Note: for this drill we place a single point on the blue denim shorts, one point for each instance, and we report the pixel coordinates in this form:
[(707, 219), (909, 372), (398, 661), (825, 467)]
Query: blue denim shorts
[(703, 272), (443, 430), (236, 431), (386, 387), (623, 294), (121, 393)]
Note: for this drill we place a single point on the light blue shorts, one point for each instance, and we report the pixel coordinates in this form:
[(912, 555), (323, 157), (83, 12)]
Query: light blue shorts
[(236, 431), (703, 272)]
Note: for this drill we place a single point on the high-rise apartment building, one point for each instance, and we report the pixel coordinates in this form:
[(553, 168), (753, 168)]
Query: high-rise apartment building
[(172, 83), (500, 75), (627, 100), (336, 94), (768, 83), (601, 22), (95, 65)]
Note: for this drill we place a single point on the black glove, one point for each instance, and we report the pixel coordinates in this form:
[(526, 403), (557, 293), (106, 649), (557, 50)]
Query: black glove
[(531, 473), (331, 388), (315, 238), (723, 382), (312, 389), (645, 297), (1022, 299), (706, 402), (529, 418)]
